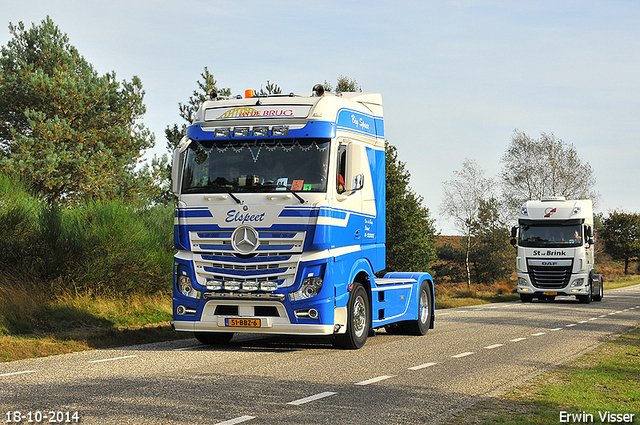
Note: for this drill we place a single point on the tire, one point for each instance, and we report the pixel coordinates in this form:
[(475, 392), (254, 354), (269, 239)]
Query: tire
[(358, 320), (586, 299), (600, 294), (421, 326), (213, 338), (526, 298)]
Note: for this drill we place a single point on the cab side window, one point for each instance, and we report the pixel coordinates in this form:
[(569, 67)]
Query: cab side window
[(342, 161)]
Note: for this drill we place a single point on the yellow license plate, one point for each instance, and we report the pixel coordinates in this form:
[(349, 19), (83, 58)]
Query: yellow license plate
[(550, 293), (243, 323)]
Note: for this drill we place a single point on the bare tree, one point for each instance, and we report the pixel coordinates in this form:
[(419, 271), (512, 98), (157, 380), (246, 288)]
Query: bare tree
[(462, 197), (544, 167)]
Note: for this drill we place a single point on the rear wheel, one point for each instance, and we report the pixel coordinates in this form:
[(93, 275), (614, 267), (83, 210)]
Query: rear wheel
[(358, 318), (421, 326), (213, 338)]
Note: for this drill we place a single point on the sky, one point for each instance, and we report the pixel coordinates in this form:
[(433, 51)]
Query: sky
[(457, 77)]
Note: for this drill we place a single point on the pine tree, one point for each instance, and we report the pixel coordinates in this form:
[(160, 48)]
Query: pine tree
[(67, 132)]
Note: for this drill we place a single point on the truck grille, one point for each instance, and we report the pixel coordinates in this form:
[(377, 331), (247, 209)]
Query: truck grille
[(550, 277), (275, 260)]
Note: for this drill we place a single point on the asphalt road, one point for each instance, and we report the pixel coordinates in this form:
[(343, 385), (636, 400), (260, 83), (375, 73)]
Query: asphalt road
[(473, 353)]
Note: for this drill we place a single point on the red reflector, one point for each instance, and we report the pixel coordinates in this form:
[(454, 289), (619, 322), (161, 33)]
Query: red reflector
[(350, 287)]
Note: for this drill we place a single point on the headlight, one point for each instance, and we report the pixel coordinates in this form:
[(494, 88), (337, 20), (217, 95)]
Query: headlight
[(185, 287), (522, 281), (310, 287), (577, 282)]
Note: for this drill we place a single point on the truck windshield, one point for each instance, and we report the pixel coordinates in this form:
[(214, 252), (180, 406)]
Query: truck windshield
[(550, 235), (254, 166)]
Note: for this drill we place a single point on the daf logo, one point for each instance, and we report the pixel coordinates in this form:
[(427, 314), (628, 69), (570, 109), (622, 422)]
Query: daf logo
[(245, 239), (549, 263)]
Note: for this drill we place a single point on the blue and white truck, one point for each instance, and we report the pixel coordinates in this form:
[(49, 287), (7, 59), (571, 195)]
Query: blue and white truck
[(280, 222)]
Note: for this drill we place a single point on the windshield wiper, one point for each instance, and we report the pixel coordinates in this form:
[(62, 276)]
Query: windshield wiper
[(302, 201)]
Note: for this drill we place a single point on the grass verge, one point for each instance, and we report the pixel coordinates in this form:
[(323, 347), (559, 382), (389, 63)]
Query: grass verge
[(585, 390)]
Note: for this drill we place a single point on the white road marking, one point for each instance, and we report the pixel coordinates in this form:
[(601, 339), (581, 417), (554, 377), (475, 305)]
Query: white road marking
[(374, 380), (493, 346), (466, 353), (594, 318), (570, 325), (582, 321), (422, 366), (18, 373), (556, 329), (312, 398), (237, 420), (539, 333), (187, 348), (113, 358), (517, 339), (604, 315)]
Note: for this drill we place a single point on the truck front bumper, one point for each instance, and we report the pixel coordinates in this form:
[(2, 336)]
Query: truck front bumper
[(578, 285)]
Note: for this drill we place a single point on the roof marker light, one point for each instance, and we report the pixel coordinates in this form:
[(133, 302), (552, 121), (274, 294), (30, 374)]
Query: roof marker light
[(260, 131), (248, 93), (222, 132)]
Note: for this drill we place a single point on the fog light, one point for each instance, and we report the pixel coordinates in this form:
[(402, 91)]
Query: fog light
[(232, 285), (214, 285), (524, 289), (250, 286), (268, 285)]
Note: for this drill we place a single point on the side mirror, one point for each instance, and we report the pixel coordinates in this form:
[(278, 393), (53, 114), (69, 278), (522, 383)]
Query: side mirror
[(358, 182), (514, 231)]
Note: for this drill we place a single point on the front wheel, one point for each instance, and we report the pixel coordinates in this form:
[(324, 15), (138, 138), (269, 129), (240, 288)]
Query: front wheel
[(526, 298), (358, 319), (600, 294), (586, 299)]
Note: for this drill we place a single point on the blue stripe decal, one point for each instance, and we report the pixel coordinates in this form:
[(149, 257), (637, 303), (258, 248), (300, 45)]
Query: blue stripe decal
[(313, 129), (358, 122), (193, 213), (325, 212), (298, 212)]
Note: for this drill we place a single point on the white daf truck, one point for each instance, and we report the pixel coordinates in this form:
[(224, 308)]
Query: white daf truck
[(555, 250)]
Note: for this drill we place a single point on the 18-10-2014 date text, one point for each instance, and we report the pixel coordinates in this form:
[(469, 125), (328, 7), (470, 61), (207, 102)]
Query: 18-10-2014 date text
[(37, 416)]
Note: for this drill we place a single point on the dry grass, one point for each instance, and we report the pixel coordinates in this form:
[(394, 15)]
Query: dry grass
[(450, 295)]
